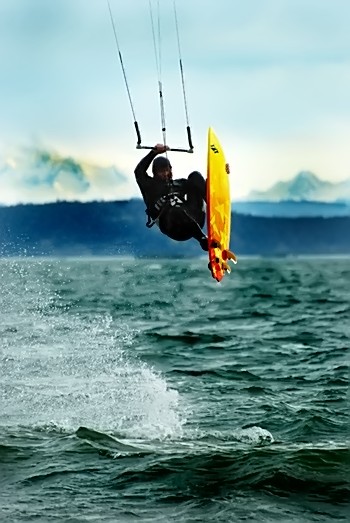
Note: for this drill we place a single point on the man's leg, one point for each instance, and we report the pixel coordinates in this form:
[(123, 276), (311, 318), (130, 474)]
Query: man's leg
[(199, 235), (196, 197)]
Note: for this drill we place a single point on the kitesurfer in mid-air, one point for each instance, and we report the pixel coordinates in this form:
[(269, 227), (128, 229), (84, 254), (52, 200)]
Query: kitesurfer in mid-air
[(177, 206)]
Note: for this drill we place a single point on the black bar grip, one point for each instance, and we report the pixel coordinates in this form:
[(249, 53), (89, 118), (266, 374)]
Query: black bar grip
[(178, 150), (181, 150), (189, 137), (138, 133)]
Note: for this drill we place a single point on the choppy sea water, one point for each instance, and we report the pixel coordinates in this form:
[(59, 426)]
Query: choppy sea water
[(142, 390)]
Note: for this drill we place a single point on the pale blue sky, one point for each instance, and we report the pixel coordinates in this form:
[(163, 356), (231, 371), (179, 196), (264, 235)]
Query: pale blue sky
[(271, 76)]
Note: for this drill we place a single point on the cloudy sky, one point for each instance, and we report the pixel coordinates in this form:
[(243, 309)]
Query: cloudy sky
[(271, 76)]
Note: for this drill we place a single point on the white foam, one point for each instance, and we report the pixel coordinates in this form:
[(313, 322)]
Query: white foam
[(63, 370), (254, 435)]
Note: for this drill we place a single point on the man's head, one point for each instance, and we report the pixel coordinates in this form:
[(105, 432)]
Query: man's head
[(161, 168)]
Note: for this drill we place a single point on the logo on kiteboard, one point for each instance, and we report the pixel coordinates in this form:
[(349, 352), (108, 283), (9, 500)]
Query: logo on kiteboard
[(214, 149)]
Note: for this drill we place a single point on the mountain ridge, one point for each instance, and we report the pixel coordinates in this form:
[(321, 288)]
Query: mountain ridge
[(305, 186)]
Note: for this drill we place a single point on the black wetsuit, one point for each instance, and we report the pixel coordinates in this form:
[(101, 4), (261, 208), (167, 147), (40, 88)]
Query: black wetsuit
[(177, 205)]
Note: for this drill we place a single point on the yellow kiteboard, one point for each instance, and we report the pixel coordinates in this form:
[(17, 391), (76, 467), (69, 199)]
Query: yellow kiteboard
[(218, 209)]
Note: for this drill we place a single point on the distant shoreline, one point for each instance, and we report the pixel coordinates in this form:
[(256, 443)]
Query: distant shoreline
[(109, 229)]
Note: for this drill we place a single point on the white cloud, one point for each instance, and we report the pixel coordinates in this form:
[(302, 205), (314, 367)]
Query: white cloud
[(40, 176), (271, 77)]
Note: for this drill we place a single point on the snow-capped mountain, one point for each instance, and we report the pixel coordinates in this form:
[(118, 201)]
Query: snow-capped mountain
[(32, 175), (305, 186)]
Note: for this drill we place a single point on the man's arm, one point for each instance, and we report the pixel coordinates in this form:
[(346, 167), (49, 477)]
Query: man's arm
[(142, 166)]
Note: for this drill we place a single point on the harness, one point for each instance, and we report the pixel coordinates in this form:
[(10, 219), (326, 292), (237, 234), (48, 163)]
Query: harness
[(164, 202)]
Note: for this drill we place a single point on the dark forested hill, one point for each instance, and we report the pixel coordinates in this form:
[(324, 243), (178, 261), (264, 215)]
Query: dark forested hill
[(110, 228)]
